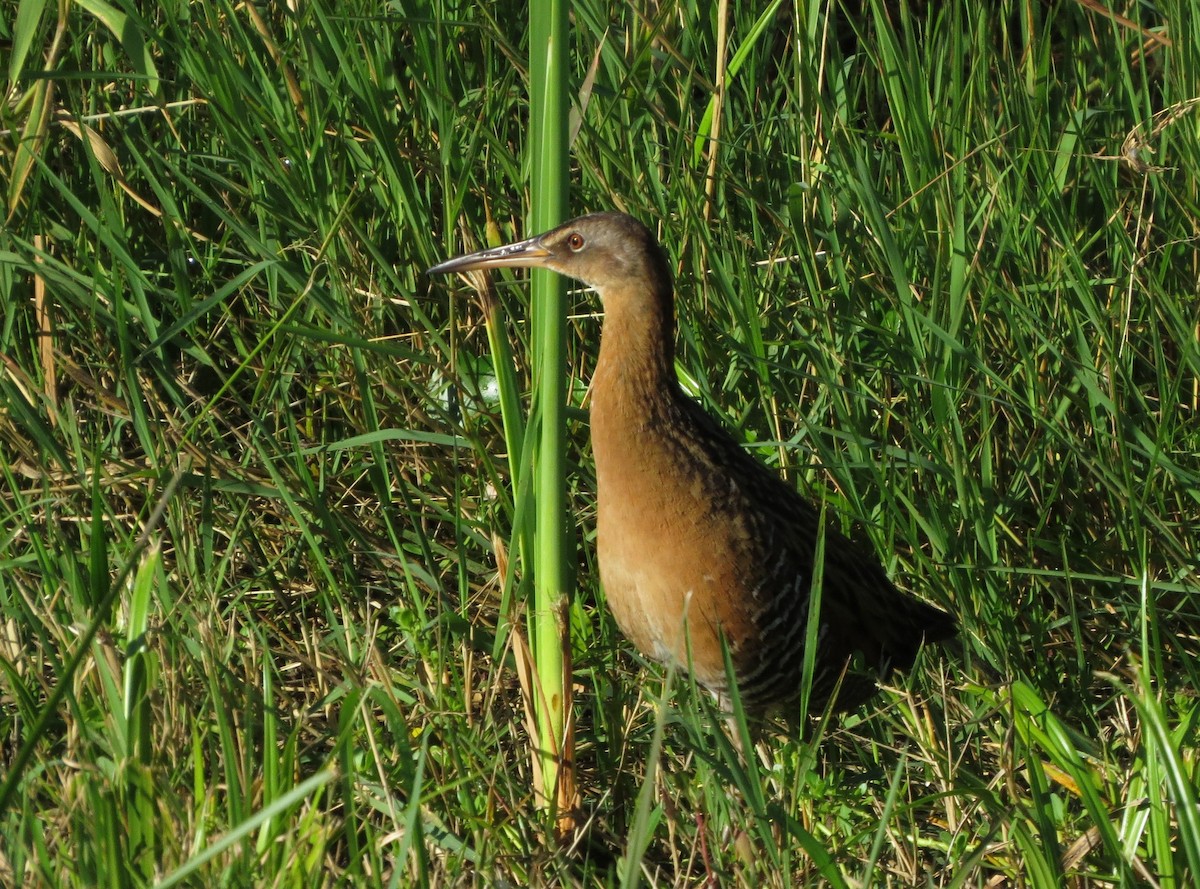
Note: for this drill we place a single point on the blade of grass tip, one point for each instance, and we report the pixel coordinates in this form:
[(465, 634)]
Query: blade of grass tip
[(138, 663), (813, 623), (270, 747), (33, 138), (98, 536), (139, 819)]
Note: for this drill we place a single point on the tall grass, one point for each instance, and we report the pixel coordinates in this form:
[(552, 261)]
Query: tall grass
[(257, 504)]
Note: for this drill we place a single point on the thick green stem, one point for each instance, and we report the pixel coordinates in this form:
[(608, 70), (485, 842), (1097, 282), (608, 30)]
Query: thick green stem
[(552, 573)]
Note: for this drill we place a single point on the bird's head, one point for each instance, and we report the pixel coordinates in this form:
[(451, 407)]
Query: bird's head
[(612, 252)]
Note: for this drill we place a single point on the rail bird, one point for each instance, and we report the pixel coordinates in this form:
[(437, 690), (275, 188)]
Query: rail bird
[(701, 547)]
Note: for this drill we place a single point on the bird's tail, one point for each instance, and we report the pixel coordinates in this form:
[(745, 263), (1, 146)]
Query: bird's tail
[(907, 625)]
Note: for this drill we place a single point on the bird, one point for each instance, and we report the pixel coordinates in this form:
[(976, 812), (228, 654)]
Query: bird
[(702, 548)]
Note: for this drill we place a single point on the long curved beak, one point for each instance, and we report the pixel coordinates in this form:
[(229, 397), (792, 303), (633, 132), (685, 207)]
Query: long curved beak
[(522, 254)]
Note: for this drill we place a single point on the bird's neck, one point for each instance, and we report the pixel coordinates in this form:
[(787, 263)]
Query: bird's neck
[(636, 368)]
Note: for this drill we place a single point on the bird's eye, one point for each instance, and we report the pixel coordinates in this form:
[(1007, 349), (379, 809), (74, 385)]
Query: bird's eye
[(575, 241)]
